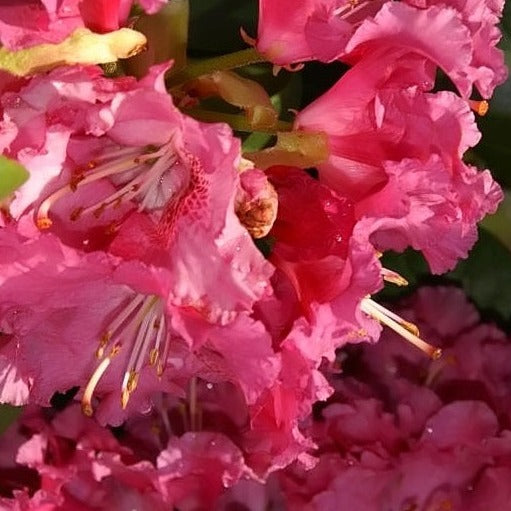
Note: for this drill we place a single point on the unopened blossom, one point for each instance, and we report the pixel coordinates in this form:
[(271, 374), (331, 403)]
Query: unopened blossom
[(256, 203)]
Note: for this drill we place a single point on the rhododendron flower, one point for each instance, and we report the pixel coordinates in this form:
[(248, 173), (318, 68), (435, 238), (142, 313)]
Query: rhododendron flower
[(194, 469), (184, 193), (84, 466), (435, 207), (312, 233), (116, 173), (199, 319), (46, 111)]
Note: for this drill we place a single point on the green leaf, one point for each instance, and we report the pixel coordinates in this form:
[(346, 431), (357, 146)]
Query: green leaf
[(8, 414), (486, 275), (213, 34), (499, 224), (12, 176), (494, 148)]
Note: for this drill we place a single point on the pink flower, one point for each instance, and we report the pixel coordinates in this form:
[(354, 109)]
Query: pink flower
[(395, 429), (107, 172), (351, 115), (312, 233), (82, 466), (130, 323), (78, 101), (184, 191), (316, 248), (74, 299)]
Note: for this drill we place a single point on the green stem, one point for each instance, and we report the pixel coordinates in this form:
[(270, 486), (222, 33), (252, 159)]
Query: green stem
[(206, 66), (235, 121)]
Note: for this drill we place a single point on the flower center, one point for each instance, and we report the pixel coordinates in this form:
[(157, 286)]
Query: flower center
[(137, 176), (141, 327)]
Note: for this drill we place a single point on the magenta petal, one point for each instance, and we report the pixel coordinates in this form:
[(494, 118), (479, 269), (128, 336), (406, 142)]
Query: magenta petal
[(436, 33)]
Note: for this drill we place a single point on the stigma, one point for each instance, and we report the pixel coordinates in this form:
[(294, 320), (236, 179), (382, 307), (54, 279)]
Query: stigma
[(139, 328)]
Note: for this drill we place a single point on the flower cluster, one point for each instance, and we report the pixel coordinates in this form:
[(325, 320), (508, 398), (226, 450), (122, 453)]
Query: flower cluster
[(193, 295)]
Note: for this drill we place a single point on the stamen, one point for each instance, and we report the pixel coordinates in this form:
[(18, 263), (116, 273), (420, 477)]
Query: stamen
[(94, 380), (144, 324), (42, 217), (119, 320), (404, 328), (393, 277), (479, 107), (148, 169), (141, 326), (349, 8), (153, 356), (162, 361), (411, 327)]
